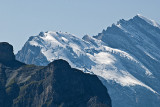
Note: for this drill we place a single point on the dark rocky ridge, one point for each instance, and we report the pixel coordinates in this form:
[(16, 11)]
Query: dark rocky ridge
[(56, 85)]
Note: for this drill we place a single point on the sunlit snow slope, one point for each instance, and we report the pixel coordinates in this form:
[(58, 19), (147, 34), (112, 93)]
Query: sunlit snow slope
[(126, 57)]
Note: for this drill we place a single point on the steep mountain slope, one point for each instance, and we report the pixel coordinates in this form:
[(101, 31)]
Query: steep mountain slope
[(125, 69), (139, 37), (55, 85)]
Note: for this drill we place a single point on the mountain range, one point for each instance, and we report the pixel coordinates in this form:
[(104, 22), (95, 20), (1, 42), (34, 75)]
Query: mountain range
[(55, 85), (125, 57)]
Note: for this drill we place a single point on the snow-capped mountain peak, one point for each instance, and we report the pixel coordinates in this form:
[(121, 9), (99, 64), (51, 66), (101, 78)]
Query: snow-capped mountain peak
[(138, 18), (125, 56), (151, 22)]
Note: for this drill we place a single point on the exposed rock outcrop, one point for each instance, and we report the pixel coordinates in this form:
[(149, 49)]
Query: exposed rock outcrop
[(7, 56)]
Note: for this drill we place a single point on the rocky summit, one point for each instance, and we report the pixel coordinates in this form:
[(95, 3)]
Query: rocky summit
[(6, 52), (7, 56), (55, 85)]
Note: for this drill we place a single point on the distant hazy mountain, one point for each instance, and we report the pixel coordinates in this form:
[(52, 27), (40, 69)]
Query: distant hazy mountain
[(126, 57), (55, 85)]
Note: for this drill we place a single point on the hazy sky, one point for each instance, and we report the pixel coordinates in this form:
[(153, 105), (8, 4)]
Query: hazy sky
[(20, 19)]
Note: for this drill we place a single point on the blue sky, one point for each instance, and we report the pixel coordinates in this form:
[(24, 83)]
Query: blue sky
[(20, 19)]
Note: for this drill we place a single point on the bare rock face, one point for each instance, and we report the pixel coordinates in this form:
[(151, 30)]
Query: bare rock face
[(6, 52), (55, 85), (7, 56)]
